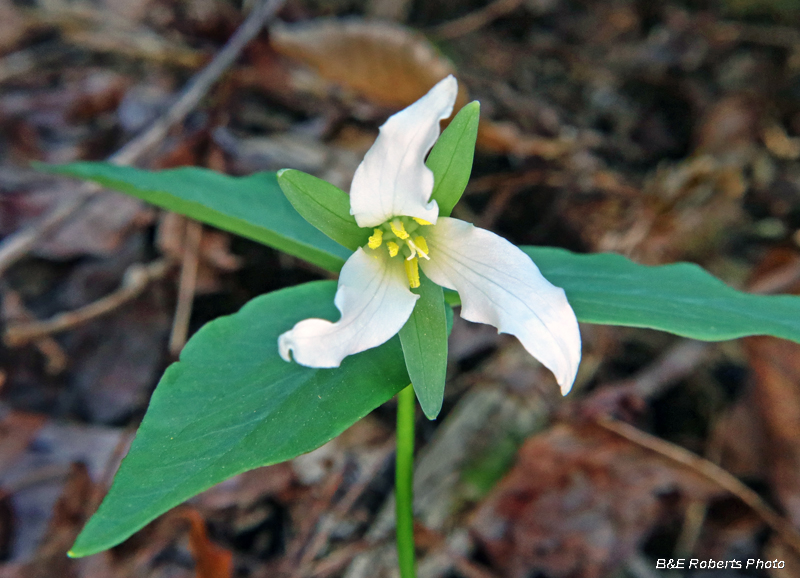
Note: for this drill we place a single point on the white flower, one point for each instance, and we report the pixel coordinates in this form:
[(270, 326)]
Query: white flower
[(498, 284)]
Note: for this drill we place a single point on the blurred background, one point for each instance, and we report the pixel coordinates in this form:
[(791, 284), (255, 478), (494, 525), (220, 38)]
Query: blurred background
[(663, 130)]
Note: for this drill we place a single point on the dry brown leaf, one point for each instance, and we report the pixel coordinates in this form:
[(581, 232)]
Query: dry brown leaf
[(393, 66), (69, 516), (121, 358), (740, 436), (36, 478), (779, 143), (776, 363), (99, 230), (776, 549), (130, 10), (17, 429), (506, 138), (729, 125), (389, 64), (98, 93), (579, 502), (105, 31), (688, 208), (212, 561), (13, 26)]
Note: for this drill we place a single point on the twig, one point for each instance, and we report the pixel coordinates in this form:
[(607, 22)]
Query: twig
[(475, 20), (698, 509), (15, 246), (186, 286), (677, 363), (627, 396), (711, 472), (44, 474), (136, 279), (498, 203), (342, 509), (14, 311), (308, 525), (200, 84), (335, 562)]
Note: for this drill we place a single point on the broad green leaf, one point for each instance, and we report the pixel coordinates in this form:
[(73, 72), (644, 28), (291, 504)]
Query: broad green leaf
[(424, 341), (232, 404), (451, 158), (253, 207), (325, 206), (681, 298)]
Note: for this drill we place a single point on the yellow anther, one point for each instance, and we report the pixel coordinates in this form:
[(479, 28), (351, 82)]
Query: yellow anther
[(412, 271), (422, 246), (376, 239), (393, 248), (421, 221), (398, 229)]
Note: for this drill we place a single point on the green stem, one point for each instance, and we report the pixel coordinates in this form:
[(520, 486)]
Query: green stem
[(404, 481)]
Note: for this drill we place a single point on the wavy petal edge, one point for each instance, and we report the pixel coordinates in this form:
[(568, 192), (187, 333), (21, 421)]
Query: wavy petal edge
[(501, 286), (375, 302)]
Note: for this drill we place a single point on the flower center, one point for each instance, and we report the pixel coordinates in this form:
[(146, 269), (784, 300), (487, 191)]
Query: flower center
[(402, 237)]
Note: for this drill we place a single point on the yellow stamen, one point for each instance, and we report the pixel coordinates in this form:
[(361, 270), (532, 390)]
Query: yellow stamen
[(421, 221), (393, 248), (398, 229), (422, 246), (412, 271), (376, 239)]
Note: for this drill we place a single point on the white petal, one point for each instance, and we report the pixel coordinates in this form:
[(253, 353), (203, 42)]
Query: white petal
[(500, 285), (375, 302), (393, 180)]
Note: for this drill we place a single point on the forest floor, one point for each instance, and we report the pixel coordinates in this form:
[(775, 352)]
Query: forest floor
[(665, 131)]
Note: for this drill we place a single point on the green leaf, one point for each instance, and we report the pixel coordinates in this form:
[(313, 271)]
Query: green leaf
[(232, 404), (424, 340), (681, 298), (325, 206), (253, 207), (451, 158)]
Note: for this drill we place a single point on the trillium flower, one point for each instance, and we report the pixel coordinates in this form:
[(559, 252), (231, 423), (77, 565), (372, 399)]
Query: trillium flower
[(498, 284)]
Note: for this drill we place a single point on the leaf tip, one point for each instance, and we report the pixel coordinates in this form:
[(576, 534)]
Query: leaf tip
[(475, 104), (433, 414), (430, 407)]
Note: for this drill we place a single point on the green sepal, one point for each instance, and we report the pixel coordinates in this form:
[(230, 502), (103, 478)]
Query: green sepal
[(451, 158), (325, 206), (424, 341)]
